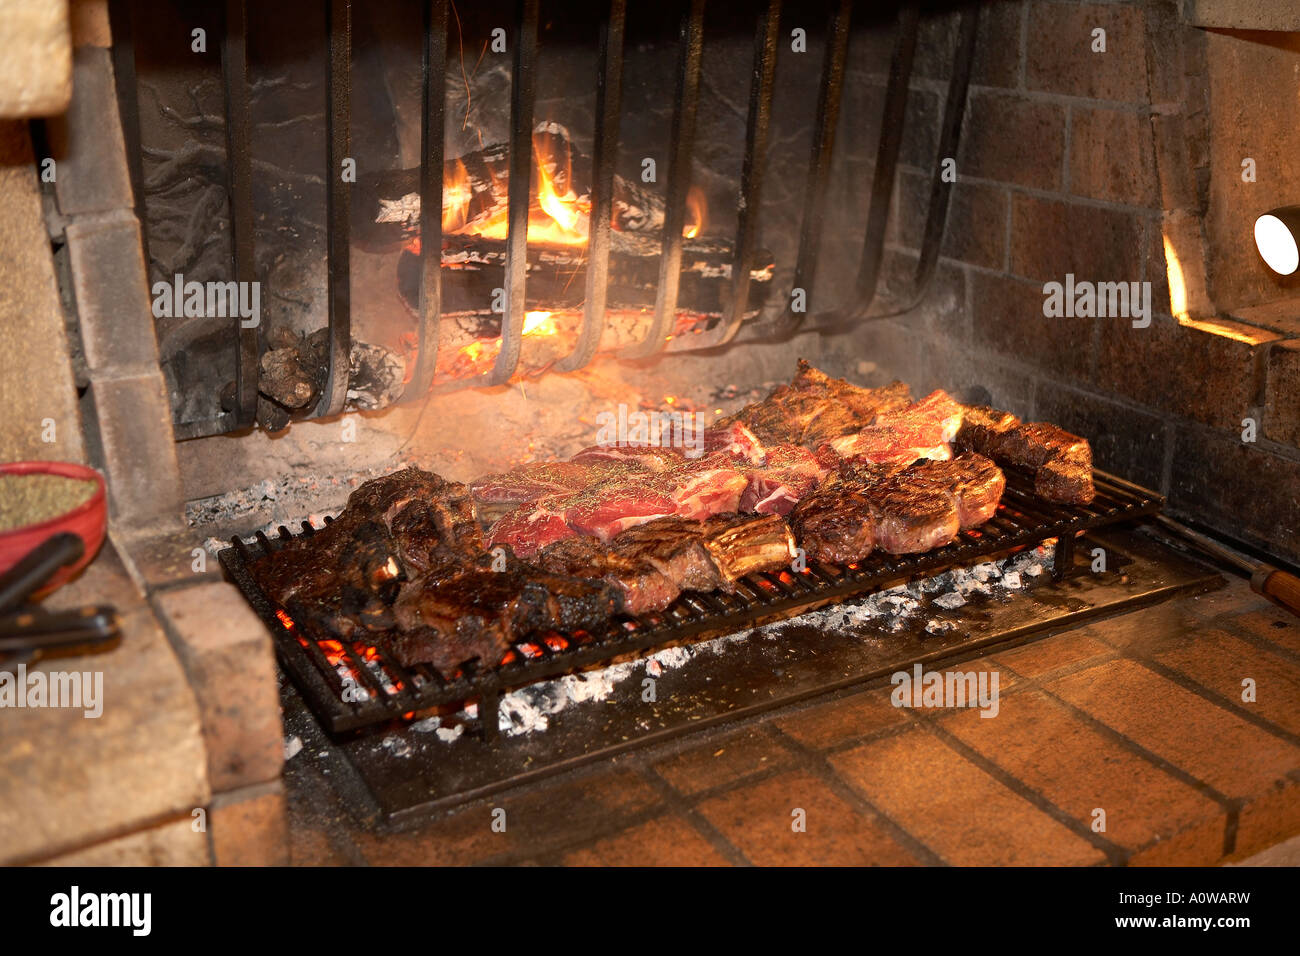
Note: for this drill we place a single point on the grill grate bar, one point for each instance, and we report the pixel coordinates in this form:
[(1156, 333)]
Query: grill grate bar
[(338, 208)]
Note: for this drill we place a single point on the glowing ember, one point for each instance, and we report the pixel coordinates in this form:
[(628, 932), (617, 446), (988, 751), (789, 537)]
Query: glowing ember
[(539, 323)]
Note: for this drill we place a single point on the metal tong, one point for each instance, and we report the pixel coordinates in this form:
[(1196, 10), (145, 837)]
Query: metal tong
[(28, 631)]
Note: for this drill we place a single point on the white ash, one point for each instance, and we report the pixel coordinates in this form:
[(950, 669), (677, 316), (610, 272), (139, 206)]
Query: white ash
[(397, 746), (292, 747), (448, 734)]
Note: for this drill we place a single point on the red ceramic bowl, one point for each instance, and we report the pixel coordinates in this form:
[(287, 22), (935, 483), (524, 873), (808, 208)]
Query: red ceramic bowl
[(88, 520)]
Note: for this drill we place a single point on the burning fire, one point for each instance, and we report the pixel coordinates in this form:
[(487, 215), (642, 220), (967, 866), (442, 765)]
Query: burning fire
[(695, 212), (556, 216)]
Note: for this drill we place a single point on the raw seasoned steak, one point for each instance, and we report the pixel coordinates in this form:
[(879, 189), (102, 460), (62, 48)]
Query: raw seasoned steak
[(973, 480), (889, 445), (700, 487), (534, 525), (737, 441), (792, 472), (835, 523), (604, 512), (532, 481), (649, 457)]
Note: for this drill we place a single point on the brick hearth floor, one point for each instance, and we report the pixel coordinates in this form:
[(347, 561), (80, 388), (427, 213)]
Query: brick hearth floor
[(1140, 716)]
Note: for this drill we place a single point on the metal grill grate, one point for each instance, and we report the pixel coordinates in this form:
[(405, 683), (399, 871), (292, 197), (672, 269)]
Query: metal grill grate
[(381, 690)]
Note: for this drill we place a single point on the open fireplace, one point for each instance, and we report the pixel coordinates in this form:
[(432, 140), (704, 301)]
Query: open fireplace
[(593, 432)]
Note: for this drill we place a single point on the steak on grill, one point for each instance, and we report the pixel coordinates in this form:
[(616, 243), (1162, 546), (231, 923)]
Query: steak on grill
[(973, 480), (745, 544), (835, 523), (392, 529), (1061, 462), (815, 408), (480, 613), (911, 517), (641, 585), (792, 471)]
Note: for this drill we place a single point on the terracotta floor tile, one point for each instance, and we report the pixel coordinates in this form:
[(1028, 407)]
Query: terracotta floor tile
[(1080, 769), (1219, 661), (1052, 653), (848, 718), (758, 818), (1271, 623), (723, 760), (663, 841), (955, 808), (1212, 744)]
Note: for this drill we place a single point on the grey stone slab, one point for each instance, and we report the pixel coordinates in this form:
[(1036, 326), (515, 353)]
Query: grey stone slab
[(112, 294), (132, 442), (86, 141)]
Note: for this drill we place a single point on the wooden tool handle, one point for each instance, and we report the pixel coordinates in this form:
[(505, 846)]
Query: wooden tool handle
[(1281, 586)]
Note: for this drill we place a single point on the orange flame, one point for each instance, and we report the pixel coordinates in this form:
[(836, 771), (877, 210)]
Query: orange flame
[(695, 207)]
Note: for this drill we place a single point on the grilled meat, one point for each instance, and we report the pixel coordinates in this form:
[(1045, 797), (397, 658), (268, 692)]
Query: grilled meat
[(675, 547), (479, 613), (910, 516), (641, 585), (835, 523), (392, 529), (973, 480), (815, 408), (1061, 462), (744, 544)]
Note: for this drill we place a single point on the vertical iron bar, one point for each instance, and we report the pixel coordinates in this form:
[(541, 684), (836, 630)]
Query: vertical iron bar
[(433, 103), (891, 138), (954, 111), (338, 204), (751, 171), (239, 196), (609, 98), (522, 94), (819, 167), (682, 140)]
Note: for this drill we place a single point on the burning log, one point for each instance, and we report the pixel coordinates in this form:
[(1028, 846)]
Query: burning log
[(294, 370), (475, 190)]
